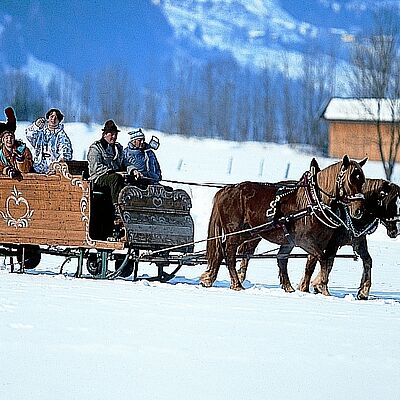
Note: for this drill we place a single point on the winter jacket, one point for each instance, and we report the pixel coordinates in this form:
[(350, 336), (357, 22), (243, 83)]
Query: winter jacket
[(144, 160), (18, 159), (43, 140), (104, 158)]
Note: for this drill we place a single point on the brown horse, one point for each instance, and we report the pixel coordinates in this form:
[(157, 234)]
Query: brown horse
[(288, 213), (382, 202)]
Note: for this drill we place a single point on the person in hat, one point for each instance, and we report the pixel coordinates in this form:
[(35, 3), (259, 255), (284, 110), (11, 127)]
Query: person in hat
[(107, 165), (15, 156), (140, 155), (49, 141), (107, 162)]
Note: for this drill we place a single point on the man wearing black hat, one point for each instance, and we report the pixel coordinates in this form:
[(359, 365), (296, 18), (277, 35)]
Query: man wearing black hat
[(106, 163), (106, 159)]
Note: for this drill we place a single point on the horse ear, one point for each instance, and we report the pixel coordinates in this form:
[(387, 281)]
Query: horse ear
[(345, 161), (363, 161), (314, 166)]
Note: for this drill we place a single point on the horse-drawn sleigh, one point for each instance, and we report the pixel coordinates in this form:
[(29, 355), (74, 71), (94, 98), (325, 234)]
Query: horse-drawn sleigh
[(60, 214)]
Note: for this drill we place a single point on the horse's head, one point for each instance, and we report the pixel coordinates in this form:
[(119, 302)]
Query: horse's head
[(349, 184), (343, 182), (384, 202)]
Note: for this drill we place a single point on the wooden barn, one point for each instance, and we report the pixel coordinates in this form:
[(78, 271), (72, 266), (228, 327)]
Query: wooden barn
[(353, 126)]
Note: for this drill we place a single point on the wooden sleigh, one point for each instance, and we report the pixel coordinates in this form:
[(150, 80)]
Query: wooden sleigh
[(59, 213)]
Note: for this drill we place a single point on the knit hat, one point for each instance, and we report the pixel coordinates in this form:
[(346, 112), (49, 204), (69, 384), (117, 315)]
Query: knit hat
[(136, 134), (110, 126), (11, 123)]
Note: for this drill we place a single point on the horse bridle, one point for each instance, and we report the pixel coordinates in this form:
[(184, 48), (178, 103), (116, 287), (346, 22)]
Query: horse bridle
[(343, 197), (395, 218)]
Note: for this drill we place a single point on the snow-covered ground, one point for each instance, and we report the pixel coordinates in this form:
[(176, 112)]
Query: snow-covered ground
[(68, 338)]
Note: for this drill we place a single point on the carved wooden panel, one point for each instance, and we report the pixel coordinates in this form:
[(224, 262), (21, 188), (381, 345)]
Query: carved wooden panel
[(155, 218), (47, 209)]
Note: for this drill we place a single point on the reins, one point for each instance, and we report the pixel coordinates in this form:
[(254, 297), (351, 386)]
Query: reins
[(315, 207)]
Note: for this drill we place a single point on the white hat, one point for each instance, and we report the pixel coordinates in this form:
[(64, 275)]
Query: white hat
[(136, 134)]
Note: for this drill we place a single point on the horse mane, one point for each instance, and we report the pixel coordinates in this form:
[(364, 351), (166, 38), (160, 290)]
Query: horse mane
[(374, 187), (326, 180)]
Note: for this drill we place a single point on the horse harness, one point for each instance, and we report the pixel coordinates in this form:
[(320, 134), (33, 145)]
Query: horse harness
[(324, 213)]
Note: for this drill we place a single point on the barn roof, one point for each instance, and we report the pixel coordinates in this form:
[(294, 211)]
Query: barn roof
[(366, 109)]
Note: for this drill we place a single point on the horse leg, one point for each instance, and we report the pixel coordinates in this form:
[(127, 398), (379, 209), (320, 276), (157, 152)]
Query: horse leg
[(242, 271), (362, 249), (304, 284), (209, 276), (246, 249), (320, 283), (282, 258), (230, 257)]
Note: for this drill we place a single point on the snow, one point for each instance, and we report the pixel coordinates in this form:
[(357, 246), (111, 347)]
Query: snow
[(366, 109), (218, 19), (68, 338)]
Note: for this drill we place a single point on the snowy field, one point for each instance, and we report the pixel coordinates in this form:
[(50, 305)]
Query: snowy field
[(68, 338)]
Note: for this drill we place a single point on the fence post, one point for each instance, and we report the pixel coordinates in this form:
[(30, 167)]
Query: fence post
[(261, 169), (229, 166), (287, 170)]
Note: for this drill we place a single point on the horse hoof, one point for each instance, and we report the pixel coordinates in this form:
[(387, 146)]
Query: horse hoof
[(205, 282), (361, 296), (288, 289), (303, 288), (237, 287), (321, 289)]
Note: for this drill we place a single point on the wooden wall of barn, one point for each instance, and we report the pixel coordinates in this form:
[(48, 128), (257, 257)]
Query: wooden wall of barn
[(357, 139)]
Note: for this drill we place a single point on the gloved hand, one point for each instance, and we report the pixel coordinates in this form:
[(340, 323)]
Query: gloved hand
[(14, 173), (136, 174), (40, 122)]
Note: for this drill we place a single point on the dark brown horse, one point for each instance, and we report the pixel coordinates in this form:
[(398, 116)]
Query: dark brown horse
[(288, 213), (382, 202)]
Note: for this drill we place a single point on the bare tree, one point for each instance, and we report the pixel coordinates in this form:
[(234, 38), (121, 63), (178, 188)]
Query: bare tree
[(289, 114), (317, 84), (25, 95), (114, 94), (269, 108), (87, 99), (150, 108), (375, 74)]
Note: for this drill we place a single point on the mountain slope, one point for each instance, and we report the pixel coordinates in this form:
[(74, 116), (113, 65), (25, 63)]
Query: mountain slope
[(82, 36), (269, 32)]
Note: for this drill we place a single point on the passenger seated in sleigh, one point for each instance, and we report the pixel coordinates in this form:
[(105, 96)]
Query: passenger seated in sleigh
[(111, 167), (140, 156), (15, 156)]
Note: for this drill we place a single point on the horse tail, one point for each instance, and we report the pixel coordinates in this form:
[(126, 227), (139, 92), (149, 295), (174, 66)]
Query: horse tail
[(215, 231)]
